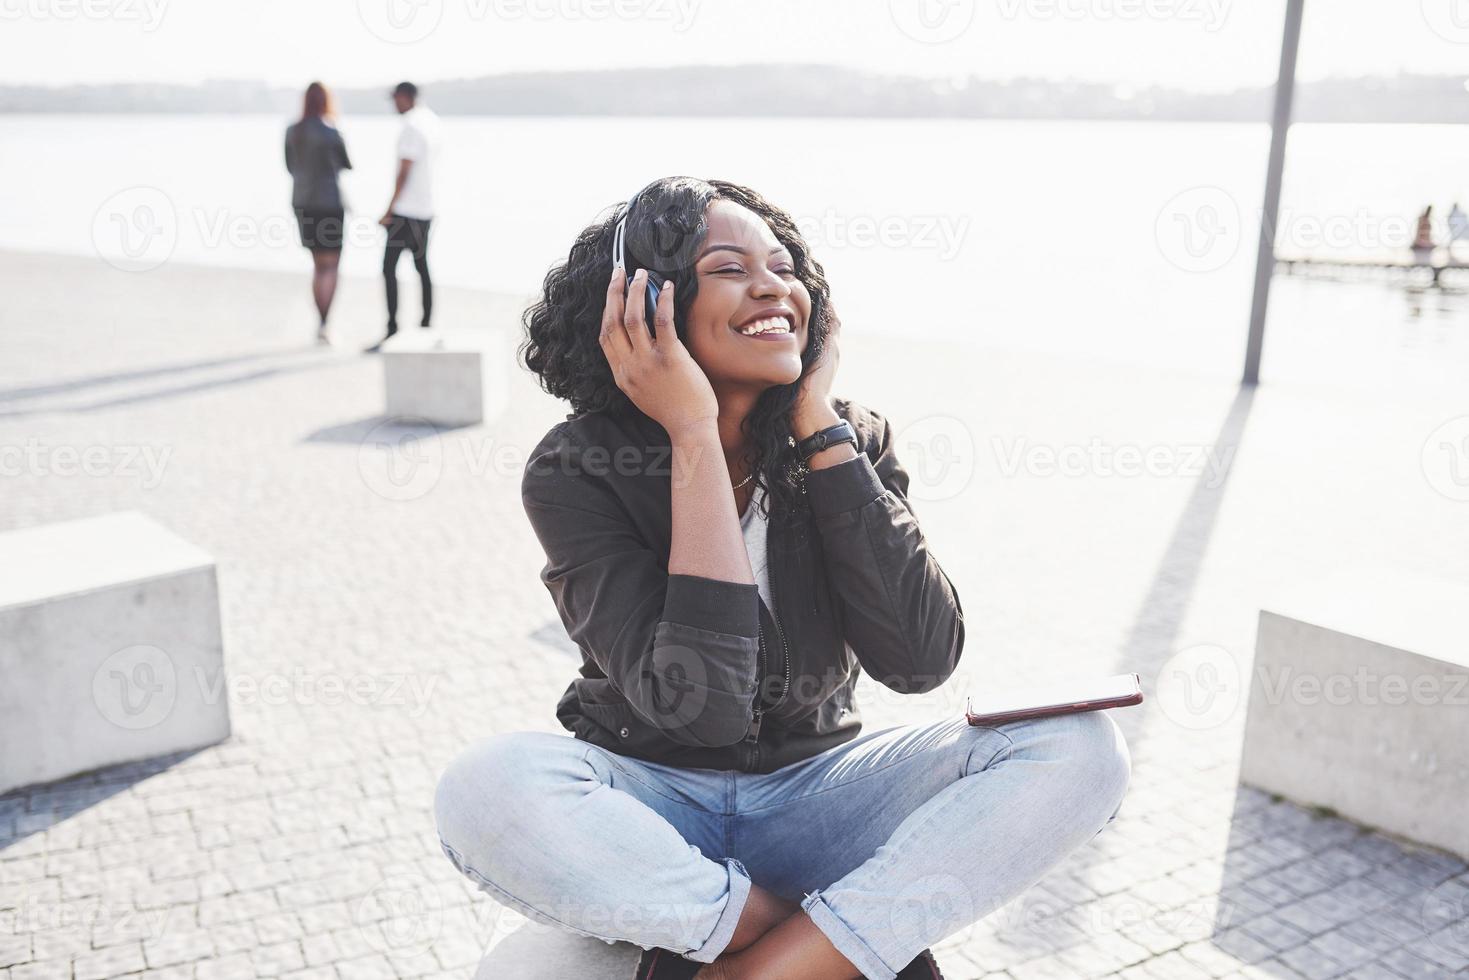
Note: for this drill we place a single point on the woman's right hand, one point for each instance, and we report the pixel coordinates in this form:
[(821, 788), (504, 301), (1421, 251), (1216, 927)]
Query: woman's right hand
[(657, 374)]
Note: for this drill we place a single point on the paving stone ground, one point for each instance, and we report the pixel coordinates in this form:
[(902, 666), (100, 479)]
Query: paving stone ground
[(303, 846)]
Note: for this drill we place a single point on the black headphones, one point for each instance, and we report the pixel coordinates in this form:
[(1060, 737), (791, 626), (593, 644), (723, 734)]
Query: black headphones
[(655, 280)]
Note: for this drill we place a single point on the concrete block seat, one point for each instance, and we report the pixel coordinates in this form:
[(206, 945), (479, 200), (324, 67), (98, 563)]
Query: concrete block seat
[(1359, 702), (536, 951), (446, 377), (110, 647)]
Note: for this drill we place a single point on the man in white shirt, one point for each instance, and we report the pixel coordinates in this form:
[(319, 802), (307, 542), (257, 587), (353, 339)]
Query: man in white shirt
[(412, 207)]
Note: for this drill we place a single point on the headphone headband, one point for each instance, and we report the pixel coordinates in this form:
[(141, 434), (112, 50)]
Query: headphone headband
[(655, 280)]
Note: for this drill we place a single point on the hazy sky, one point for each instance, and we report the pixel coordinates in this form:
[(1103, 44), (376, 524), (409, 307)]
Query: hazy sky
[(1204, 44)]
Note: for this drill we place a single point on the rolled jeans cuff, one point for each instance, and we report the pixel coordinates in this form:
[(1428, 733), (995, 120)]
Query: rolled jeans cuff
[(739, 890), (845, 940)]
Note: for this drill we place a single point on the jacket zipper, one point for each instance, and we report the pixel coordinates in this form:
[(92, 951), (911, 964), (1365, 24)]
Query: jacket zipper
[(785, 653), (752, 737)]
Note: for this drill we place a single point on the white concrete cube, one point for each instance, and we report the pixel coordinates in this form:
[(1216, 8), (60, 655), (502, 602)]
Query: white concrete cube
[(537, 951), (1359, 702), (440, 376), (110, 647)]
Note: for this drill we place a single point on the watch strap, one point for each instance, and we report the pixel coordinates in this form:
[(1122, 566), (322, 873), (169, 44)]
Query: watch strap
[(832, 435)]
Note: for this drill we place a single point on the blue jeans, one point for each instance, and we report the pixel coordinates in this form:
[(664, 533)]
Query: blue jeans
[(890, 842)]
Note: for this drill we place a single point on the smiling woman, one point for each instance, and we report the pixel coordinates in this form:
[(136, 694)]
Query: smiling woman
[(720, 799), (733, 258)]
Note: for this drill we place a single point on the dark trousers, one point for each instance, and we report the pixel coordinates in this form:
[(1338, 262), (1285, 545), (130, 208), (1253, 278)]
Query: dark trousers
[(412, 234)]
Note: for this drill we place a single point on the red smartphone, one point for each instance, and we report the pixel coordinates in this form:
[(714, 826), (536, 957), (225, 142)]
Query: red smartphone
[(1069, 697)]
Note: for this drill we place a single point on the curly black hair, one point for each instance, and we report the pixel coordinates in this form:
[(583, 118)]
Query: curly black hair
[(664, 232)]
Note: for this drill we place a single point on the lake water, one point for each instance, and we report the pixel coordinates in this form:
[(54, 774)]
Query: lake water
[(1127, 241)]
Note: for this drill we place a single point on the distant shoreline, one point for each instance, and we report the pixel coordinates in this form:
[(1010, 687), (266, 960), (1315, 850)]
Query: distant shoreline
[(796, 91), (287, 115)]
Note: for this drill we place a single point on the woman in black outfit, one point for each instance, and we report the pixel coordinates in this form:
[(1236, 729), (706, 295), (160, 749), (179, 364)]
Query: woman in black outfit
[(315, 152), (731, 546)]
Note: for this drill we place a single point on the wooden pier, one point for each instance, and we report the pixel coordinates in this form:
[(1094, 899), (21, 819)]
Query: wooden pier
[(1437, 267)]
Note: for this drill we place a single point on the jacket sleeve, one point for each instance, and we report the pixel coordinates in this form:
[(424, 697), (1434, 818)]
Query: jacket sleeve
[(901, 612), (290, 156), (681, 649)]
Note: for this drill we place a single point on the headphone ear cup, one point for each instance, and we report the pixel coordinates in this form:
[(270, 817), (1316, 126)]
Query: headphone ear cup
[(655, 286)]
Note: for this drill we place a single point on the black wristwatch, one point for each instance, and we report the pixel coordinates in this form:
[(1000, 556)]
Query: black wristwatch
[(832, 435)]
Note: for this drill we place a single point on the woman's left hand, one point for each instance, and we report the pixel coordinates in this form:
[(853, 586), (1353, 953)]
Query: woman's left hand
[(813, 409)]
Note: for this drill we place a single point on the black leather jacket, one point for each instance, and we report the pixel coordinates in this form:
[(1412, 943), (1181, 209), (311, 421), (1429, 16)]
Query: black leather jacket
[(698, 673)]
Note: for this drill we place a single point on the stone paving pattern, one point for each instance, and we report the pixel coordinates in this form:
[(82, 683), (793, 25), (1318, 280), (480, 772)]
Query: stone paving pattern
[(303, 847)]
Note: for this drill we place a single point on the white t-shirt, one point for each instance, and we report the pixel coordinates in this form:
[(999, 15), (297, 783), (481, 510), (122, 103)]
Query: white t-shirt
[(753, 526), (419, 142)]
